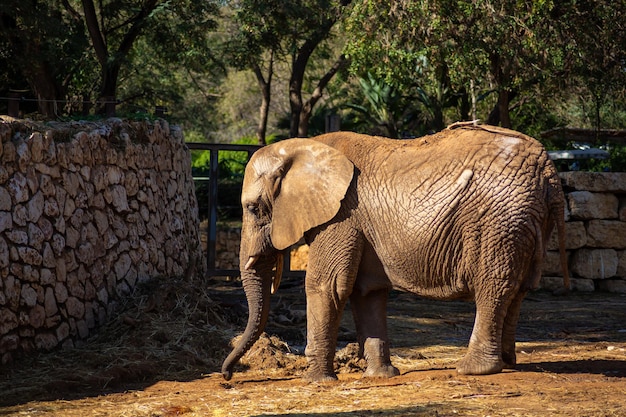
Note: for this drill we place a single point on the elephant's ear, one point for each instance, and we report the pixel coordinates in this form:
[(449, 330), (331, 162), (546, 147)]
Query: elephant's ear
[(314, 179)]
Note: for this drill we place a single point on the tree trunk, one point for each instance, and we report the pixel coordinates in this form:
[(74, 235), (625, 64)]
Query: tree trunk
[(465, 105), (503, 108), (266, 96), (109, 88), (295, 103), (111, 62), (97, 40), (438, 123), (500, 71), (299, 61), (46, 88), (307, 109), (500, 114)]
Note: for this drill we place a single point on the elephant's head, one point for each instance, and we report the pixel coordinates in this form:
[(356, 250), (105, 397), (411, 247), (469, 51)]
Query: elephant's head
[(289, 187)]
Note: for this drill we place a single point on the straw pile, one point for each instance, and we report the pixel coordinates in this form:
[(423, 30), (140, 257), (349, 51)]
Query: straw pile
[(168, 329)]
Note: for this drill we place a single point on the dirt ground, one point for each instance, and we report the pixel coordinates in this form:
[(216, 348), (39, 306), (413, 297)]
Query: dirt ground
[(162, 356)]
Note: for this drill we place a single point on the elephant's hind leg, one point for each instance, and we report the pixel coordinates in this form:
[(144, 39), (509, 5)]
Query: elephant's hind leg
[(370, 318), (508, 332), (369, 309), (484, 355)]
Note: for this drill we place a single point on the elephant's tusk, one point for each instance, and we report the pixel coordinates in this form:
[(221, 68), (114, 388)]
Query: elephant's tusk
[(278, 273), (251, 261)]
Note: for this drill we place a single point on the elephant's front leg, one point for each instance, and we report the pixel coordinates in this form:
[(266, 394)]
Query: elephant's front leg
[(323, 317), (333, 262)]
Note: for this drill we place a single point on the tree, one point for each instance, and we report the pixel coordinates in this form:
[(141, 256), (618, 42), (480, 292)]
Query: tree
[(267, 31), (505, 47), (176, 63), (48, 45), (594, 32), (312, 26), (115, 25), (256, 38), (42, 45)]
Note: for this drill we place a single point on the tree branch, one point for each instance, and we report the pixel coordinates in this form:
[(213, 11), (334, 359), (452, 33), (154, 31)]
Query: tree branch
[(95, 32), (341, 62)]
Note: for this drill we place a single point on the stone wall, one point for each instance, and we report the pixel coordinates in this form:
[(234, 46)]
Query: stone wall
[(227, 249), (595, 236), (88, 211), (595, 233)]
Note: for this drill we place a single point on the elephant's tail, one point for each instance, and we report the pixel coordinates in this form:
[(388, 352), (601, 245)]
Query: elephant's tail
[(556, 203)]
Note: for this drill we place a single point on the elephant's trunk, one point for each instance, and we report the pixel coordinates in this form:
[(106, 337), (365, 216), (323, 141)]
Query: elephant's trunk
[(257, 284)]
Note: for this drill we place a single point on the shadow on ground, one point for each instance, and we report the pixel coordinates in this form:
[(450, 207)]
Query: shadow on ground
[(179, 331)]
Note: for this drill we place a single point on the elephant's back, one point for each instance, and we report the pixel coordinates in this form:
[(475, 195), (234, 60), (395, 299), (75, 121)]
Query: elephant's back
[(484, 146), (452, 193)]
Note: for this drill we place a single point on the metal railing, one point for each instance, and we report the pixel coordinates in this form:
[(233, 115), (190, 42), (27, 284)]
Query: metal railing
[(214, 149)]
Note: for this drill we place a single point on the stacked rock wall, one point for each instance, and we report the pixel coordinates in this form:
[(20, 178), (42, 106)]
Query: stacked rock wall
[(595, 232), (88, 211), (227, 249)]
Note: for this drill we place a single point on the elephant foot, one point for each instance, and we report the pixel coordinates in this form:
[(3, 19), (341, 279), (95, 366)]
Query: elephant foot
[(510, 360), (387, 371), (320, 369), (376, 352), (474, 365), (312, 376)]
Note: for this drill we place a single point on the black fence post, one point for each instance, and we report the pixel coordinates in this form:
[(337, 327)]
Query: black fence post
[(14, 104), (159, 111), (109, 106), (212, 227), (85, 106), (332, 122)]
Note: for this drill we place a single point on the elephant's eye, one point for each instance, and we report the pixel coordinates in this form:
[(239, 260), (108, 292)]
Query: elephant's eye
[(253, 208)]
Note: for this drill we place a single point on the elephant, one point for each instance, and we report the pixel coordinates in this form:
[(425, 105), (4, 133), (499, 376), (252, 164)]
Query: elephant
[(465, 213)]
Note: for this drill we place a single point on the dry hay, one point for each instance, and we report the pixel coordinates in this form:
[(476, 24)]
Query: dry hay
[(167, 329)]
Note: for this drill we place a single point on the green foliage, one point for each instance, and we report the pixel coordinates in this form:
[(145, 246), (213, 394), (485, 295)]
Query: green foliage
[(535, 115), (414, 66), (473, 48), (617, 160), (384, 110), (231, 164), (231, 167), (174, 63)]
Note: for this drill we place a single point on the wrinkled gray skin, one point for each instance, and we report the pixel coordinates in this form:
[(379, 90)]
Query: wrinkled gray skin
[(465, 213)]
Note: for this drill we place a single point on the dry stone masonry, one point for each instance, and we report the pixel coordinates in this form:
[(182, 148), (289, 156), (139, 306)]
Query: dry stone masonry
[(88, 211), (595, 232)]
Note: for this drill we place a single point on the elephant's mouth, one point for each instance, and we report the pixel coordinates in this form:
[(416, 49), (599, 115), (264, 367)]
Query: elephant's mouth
[(278, 269)]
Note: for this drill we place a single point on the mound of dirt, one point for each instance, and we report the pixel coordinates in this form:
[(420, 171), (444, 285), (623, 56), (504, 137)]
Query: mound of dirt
[(275, 357)]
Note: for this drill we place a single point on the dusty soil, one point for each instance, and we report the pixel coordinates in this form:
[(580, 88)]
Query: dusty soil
[(161, 358)]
